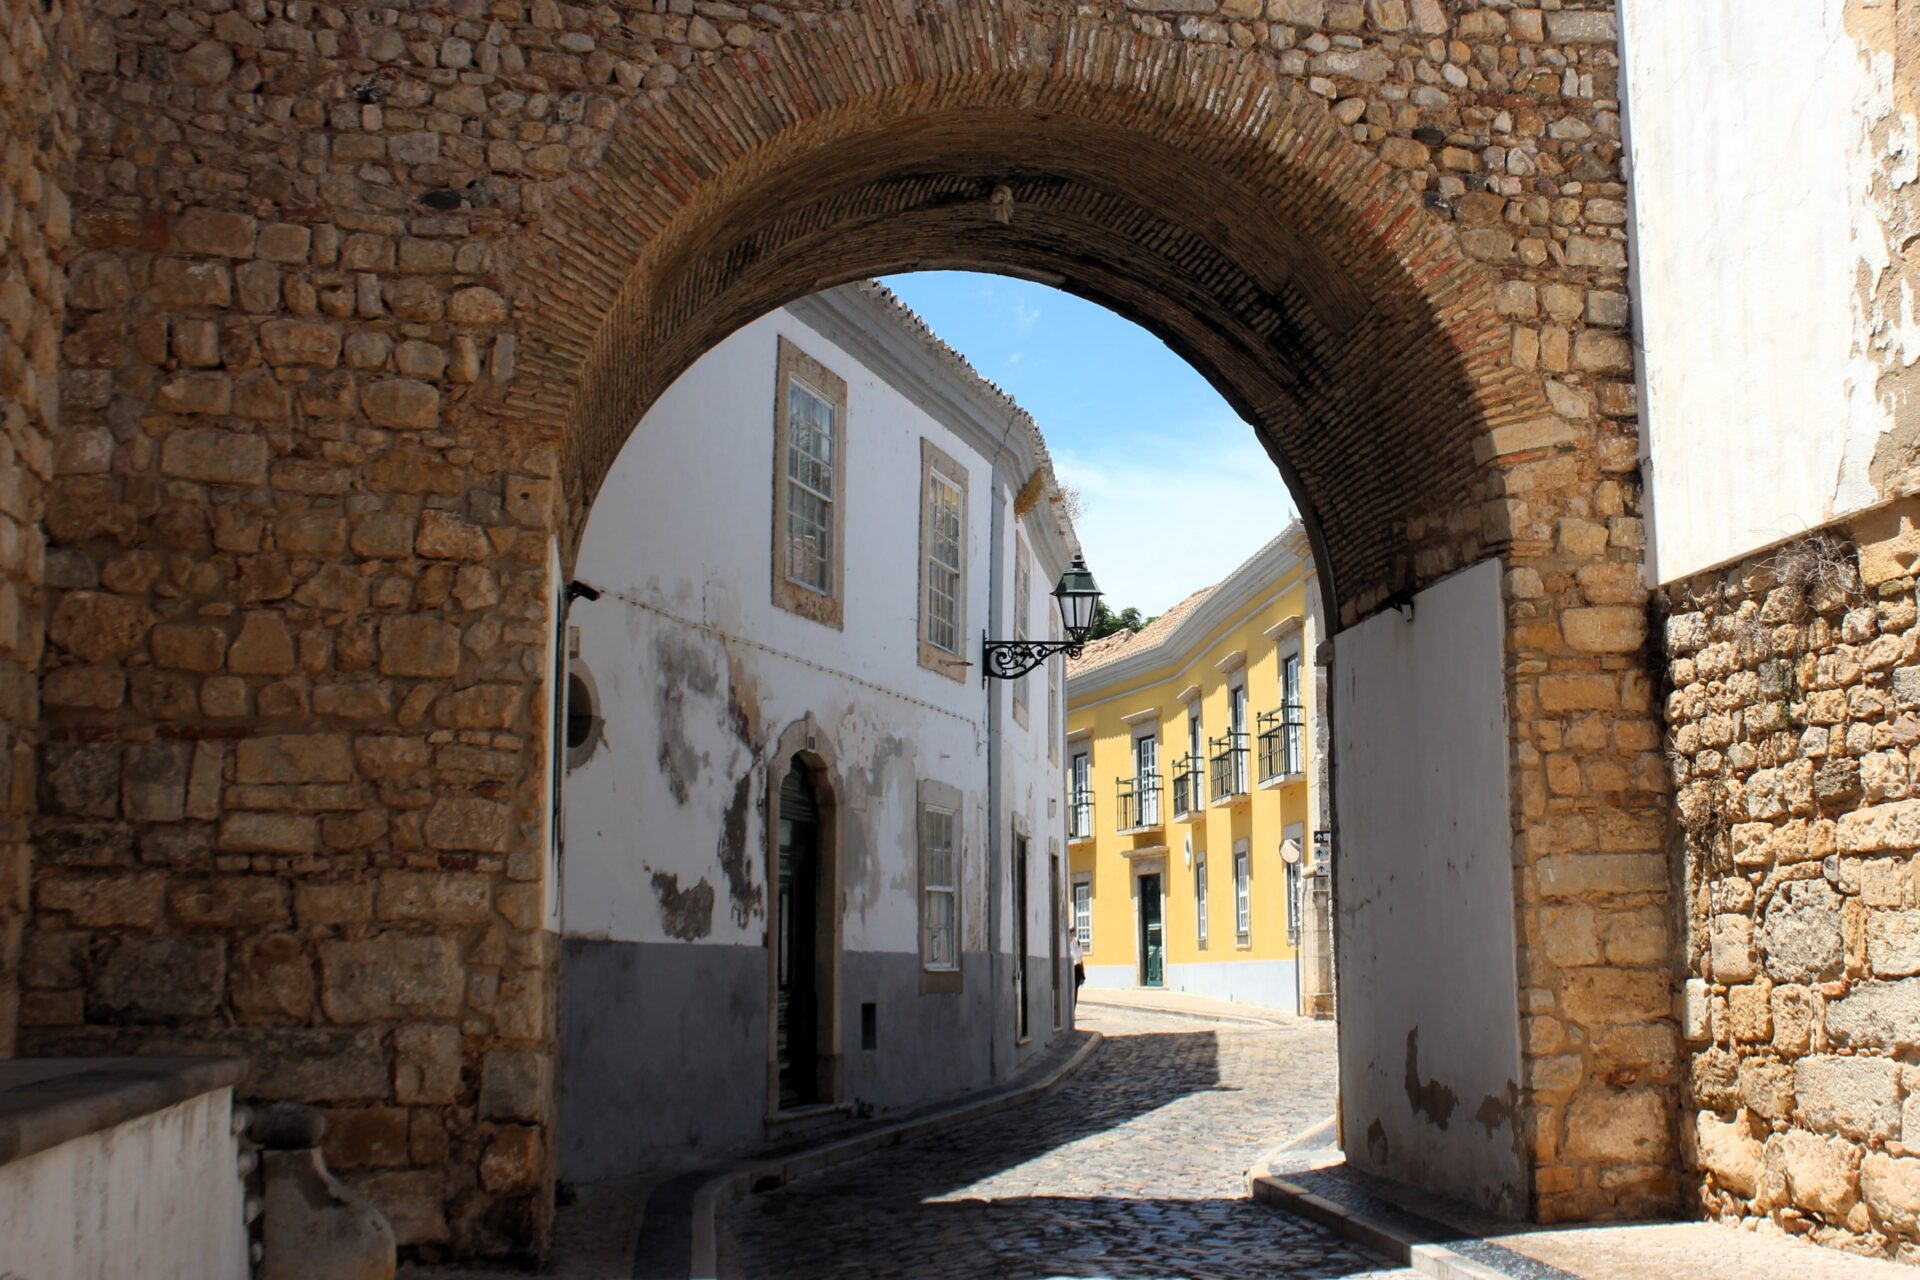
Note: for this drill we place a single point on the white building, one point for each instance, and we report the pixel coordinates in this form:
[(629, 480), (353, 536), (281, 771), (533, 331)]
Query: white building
[(803, 839)]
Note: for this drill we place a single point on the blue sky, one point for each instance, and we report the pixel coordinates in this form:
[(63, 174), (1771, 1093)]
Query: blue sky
[(1130, 425)]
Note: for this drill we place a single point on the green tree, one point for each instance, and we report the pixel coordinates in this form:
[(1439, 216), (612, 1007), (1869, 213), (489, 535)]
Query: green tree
[(1106, 622)]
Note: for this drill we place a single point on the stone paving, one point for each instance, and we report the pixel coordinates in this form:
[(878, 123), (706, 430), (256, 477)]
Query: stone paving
[(1135, 1167)]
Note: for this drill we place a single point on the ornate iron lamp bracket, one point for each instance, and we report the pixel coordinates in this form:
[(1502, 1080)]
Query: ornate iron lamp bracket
[(1011, 659)]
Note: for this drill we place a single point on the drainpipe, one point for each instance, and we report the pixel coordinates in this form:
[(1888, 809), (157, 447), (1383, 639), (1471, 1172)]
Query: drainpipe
[(997, 693)]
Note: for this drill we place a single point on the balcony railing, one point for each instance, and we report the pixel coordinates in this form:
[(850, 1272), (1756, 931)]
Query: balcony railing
[(1139, 802), (1080, 813), (1282, 734), (1189, 785), (1229, 765)]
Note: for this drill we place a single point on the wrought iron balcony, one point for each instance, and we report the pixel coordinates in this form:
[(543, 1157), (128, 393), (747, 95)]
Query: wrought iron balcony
[(1080, 814), (1139, 802), (1282, 738), (1229, 765), (1189, 785)]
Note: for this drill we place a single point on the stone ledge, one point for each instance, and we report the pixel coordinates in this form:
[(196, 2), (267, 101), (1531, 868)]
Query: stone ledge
[(47, 1101)]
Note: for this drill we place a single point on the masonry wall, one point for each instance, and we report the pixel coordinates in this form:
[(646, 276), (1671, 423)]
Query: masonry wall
[(1794, 736), (38, 44), (665, 996), (364, 300)]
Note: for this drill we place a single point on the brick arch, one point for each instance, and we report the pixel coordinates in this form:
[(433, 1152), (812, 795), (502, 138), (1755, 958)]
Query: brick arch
[(1194, 189)]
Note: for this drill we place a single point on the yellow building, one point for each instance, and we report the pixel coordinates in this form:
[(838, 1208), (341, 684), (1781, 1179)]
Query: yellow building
[(1192, 793)]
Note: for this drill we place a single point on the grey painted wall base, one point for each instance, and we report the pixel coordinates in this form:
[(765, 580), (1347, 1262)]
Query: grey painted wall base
[(1271, 984), (664, 1046)]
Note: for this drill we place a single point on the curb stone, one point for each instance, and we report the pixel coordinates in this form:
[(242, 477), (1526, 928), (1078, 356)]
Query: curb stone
[(1393, 1241), (766, 1175)]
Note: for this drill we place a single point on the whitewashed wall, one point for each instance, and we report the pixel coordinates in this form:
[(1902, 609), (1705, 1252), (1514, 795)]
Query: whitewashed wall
[(1771, 152), (158, 1196), (1424, 894), (697, 674)]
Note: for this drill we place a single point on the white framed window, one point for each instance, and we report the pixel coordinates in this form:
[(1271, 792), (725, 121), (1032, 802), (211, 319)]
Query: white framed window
[(1083, 913), (1080, 797), (940, 880), (810, 407), (1146, 778), (943, 562), (1292, 717), (1200, 896), (1242, 893)]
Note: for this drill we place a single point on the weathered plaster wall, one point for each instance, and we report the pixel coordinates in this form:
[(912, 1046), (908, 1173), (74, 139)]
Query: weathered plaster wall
[(1776, 297), (1794, 720), (38, 43), (159, 1195), (1430, 1072), (666, 896)]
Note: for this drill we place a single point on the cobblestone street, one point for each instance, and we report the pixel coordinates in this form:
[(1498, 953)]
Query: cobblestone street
[(1135, 1167)]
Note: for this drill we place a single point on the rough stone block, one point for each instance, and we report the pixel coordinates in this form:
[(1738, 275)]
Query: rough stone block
[(159, 979), (214, 457), (436, 897), (1890, 1186), (272, 980), (135, 899), (467, 824), (1877, 1015), (513, 1085), (154, 781), (1730, 1152), (1627, 1126), (426, 1064), (294, 758), (411, 645), (1801, 933), (390, 977), (1822, 1174), (1893, 943), (1854, 1097)]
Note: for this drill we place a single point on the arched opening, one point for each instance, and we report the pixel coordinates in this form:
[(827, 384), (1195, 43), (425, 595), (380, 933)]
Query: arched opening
[(312, 478), (1335, 314)]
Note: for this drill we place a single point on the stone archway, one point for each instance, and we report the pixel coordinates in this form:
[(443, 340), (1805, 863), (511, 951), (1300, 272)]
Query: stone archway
[(345, 419)]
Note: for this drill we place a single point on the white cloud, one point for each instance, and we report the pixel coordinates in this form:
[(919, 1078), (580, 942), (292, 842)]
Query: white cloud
[(1167, 514), (1025, 314)]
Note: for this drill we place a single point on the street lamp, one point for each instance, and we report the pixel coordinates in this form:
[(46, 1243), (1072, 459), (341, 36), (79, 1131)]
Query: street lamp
[(1078, 599)]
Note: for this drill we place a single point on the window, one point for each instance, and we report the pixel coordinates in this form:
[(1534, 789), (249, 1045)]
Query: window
[(1022, 616), (1200, 896), (1083, 914), (1080, 797), (1189, 791), (1146, 782), (809, 503), (940, 847), (943, 562), (1242, 894)]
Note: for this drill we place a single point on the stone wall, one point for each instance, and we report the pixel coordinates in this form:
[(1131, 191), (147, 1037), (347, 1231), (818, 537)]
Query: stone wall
[(363, 300), (37, 131), (1794, 722)]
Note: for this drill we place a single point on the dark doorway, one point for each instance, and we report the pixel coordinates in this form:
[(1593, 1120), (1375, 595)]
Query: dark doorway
[(1152, 939), (796, 944), (1020, 936)]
